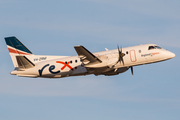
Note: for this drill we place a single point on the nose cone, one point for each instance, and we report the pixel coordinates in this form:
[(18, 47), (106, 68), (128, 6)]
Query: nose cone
[(171, 55)]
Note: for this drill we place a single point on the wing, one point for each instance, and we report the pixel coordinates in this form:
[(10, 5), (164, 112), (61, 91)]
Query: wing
[(96, 66), (86, 56)]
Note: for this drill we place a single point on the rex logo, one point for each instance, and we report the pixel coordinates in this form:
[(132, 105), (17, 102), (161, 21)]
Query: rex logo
[(52, 67)]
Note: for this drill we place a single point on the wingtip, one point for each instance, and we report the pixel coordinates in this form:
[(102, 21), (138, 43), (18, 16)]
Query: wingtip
[(78, 46), (9, 37)]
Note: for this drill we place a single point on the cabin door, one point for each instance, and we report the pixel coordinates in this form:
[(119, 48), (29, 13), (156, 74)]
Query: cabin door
[(133, 56)]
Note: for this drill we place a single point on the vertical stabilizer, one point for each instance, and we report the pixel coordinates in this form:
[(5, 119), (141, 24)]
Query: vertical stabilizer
[(16, 48)]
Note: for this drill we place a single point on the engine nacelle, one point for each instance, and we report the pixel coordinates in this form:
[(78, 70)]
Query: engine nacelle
[(116, 71)]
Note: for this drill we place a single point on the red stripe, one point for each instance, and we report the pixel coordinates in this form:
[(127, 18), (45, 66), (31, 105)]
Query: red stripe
[(17, 52)]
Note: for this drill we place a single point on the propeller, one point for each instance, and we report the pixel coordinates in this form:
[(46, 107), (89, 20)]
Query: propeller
[(132, 70), (121, 55), (120, 59)]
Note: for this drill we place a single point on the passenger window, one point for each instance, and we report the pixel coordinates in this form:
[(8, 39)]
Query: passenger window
[(71, 61), (139, 51), (126, 52), (151, 47), (76, 61)]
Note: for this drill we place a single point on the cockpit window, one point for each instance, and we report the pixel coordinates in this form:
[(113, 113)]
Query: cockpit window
[(151, 47), (157, 47), (154, 47)]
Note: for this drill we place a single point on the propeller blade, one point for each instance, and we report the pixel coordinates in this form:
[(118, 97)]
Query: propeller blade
[(122, 55), (119, 59), (132, 70)]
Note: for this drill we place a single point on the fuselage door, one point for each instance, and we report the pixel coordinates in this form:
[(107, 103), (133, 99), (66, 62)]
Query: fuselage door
[(133, 56)]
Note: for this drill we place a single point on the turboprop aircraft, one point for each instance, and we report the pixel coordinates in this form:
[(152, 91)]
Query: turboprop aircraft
[(109, 62)]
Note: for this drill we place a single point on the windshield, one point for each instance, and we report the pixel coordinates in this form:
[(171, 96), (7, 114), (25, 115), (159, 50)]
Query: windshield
[(154, 47), (151, 47), (157, 47)]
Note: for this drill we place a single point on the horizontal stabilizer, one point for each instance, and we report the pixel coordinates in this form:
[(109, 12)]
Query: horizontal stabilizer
[(86, 56), (24, 63)]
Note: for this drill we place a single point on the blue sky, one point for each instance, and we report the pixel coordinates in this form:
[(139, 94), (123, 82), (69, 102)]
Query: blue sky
[(55, 27)]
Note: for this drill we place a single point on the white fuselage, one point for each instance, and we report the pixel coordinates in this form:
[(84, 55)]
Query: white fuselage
[(56, 67)]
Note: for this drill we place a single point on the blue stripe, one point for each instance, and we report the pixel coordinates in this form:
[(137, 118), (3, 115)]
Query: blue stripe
[(15, 43)]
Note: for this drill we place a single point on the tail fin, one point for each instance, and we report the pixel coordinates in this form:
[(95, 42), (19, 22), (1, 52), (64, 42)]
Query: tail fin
[(16, 48)]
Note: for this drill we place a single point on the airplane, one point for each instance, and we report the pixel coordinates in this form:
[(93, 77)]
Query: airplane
[(108, 63)]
